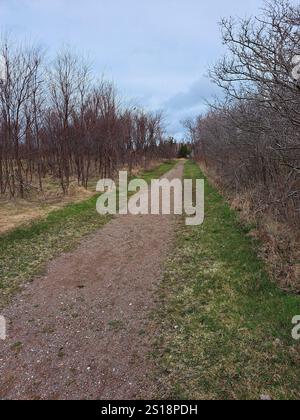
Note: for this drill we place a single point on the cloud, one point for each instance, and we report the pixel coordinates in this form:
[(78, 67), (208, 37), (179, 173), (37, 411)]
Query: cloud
[(189, 104), (152, 50), (198, 93)]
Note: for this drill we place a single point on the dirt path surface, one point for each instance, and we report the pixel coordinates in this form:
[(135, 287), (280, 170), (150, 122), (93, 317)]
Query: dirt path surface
[(82, 331)]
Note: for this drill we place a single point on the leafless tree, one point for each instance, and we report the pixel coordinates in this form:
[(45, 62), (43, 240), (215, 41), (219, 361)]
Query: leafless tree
[(252, 138), (57, 121)]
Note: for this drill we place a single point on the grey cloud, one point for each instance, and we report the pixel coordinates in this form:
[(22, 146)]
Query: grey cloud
[(152, 50), (197, 94)]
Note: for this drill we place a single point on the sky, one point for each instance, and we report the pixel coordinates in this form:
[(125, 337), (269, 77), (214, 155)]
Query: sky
[(157, 52)]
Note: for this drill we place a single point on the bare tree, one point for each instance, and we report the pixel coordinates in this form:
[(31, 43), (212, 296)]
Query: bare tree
[(252, 139), (57, 121)]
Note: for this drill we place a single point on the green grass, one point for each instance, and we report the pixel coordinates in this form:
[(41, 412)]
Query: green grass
[(25, 251), (158, 172), (226, 328)]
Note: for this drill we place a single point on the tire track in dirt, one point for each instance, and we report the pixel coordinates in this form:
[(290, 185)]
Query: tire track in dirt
[(82, 331)]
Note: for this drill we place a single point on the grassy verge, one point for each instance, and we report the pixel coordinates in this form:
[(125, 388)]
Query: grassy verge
[(24, 251), (226, 329)]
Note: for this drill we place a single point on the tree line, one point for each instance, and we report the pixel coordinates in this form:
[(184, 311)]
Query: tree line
[(251, 138), (58, 121)]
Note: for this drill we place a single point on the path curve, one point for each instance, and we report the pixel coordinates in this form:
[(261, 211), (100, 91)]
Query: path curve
[(82, 331)]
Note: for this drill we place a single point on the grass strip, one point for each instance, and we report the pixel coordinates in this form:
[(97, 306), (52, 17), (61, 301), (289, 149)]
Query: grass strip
[(225, 327)]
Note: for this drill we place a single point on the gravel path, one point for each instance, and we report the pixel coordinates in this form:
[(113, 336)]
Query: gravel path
[(82, 331)]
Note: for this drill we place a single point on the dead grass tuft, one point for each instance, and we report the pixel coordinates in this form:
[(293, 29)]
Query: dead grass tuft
[(280, 249)]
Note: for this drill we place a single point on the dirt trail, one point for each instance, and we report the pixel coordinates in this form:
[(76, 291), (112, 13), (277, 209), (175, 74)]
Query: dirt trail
[(82, 331)]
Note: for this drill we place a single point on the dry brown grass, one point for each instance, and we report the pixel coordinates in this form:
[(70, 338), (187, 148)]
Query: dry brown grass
[(280, 242), (280, 247), (15, 213), (18, 212)]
